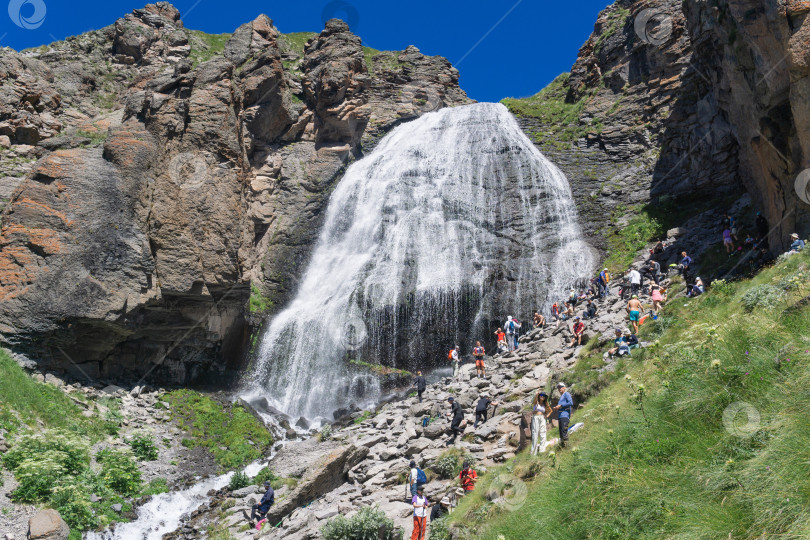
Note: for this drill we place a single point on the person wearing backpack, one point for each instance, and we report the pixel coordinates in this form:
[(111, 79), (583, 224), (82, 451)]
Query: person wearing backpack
[(602, 282), (454, 360), (416, 478), (511, 329)]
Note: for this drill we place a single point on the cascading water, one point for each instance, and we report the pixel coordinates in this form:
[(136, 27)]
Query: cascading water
[(454, 221)]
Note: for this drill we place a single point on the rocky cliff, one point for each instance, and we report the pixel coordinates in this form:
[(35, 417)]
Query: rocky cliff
[(673, 107), (158, 181)]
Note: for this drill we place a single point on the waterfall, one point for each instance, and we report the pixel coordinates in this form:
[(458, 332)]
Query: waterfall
[(454, 221)]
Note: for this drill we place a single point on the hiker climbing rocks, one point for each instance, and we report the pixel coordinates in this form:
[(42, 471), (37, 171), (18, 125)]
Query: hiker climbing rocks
[(260, 510), (478, 354), (635, 280), (634, 311), (468, 477), (657, 298), (420, 512), (578, 329), (538, 320), (454, 359), (481, 409), (457, 417), (653, 271), (421, 384), (563, 409), (416, 478), (541, 410)]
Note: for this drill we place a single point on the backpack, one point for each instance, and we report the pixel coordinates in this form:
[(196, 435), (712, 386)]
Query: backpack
[(420, 476), (450, 354), (510, 328)]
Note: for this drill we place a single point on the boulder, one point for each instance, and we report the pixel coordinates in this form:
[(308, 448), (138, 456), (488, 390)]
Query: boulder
[(47, 525)]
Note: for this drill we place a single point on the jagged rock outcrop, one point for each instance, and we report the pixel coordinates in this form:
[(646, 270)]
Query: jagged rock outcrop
[(176, 182), (685, 104)]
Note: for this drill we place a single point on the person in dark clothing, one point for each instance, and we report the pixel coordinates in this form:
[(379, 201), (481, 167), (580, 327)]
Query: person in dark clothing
[(482, 408), (457, 416), (686, 263), (421, 384), (654, 271), (441, 509), (260, 510), (762, 228), (590, 310), (563, 409)]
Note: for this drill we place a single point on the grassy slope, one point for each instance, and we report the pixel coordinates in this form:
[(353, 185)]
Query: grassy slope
[(24, 403), (679, 472)]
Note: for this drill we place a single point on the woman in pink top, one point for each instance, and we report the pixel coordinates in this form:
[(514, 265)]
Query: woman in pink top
[(657, 298)]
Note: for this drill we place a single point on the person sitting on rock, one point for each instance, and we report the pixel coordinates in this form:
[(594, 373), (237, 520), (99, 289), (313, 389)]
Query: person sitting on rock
[(468, 477), (591, 309), (481, 409), (437, 511), (577, 329), (630, 339), (539, 320), (620, 345), (797, 245), (260, 510)]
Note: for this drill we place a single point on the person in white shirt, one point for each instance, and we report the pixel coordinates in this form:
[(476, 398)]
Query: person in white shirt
[(420, 512), (635, 281)]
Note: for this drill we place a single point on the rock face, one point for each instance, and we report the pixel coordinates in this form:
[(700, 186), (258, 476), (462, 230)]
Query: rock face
[(684, 104), (47, 525), (182, 176)]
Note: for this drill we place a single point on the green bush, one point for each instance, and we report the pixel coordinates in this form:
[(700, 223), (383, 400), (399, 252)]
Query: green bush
[(156, 486), (764, 296), (722, 287), (325, 433), (74, 453), (238, 481), (73, 504), (370, 523), (119, 471), (440, 529), (448, 464), (38, 477), (143, 447)]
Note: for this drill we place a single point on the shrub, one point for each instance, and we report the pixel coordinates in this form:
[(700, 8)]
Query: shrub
[(764, 296), (73, 452), (119, 471), (38, 476), (440, 529), (722, 287), (370, 523), (238, 481), (73, 504), (326, 433), (449, 463), (156, 486), (143, 447)]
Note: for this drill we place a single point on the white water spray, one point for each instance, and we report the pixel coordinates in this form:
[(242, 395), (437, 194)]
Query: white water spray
[(454, 221)]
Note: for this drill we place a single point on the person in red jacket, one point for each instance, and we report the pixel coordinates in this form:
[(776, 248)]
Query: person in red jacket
[(468, 477), (578, 329)]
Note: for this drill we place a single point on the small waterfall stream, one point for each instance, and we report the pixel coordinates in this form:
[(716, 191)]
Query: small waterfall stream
[(453, 221)]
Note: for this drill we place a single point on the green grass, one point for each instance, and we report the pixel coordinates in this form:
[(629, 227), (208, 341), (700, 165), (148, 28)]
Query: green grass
[(206, 46), (294, 42), (662, 454), (232, 435), (626, 241), (615, 22), (551, 109), (25, 402), (258, 303)]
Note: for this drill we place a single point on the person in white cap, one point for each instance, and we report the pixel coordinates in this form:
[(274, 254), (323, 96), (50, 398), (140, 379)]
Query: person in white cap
[(511, 326), (441, 509)]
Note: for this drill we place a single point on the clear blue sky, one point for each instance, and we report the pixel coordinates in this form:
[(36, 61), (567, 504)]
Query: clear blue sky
[(532, 44)]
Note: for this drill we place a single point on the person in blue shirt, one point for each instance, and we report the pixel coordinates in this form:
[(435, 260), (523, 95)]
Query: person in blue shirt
[(563, 409), (798, 243), (686, 262)]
